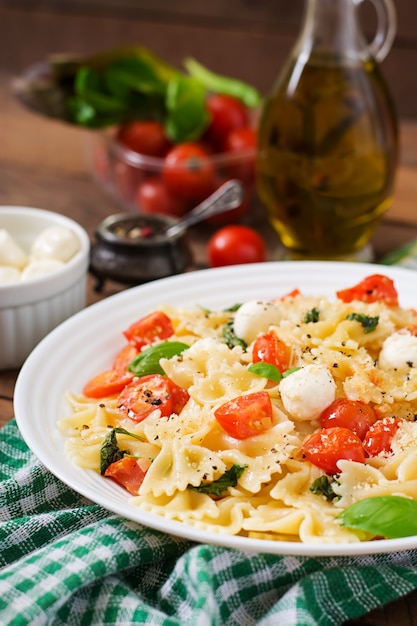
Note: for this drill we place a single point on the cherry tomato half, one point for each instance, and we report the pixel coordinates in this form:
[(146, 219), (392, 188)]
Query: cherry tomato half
[(153, 197), (327, 446), (235, 244), (374, 288), (155, 326), (124, 357), (353, 414), (246, 416), (147, 393), (189, 172), (146, 137), (107, 383), (227, 114), (268, 348), (127, 473), (379, 436)]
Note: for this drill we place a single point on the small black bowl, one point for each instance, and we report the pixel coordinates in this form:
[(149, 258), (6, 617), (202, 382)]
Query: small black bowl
[(134, 249)]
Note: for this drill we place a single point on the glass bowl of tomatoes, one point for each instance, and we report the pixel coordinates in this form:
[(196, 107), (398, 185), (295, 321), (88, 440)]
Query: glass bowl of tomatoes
[(145, 172)]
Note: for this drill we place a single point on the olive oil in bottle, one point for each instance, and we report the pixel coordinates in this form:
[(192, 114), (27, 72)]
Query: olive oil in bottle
[(328, 143)]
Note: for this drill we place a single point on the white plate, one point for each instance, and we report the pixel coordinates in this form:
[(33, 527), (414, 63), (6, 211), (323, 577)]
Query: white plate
[(87, 343)]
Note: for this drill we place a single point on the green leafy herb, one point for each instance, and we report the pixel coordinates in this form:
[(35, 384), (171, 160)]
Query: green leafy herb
[(234, 307), (230, 337), (147, 361), (110, 451), (290, 371), (223, 84), (385, 516), (266, 370), (312, 316), (323, 486), (369, 323), (228, 479)]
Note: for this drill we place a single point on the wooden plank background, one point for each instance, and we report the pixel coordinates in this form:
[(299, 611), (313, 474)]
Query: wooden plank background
[(248, 39)]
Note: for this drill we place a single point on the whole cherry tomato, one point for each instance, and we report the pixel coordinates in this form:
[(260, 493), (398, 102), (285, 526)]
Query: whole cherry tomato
[(189, 172), (145, 138), (353, 414), (241, 142), (153, 197), (227, 114), (235, 244), (327, 446)]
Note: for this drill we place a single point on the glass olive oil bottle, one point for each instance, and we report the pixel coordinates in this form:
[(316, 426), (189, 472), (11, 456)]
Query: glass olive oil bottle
[(328, 140)]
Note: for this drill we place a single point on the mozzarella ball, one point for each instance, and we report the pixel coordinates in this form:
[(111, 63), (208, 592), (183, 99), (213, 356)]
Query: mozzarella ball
[(55, 242), (307, 392), (255, 317), (9, 274), (41, 267), (10, 251), (399, 352)]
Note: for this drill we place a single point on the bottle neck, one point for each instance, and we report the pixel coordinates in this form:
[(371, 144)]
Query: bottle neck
[(331, 28)]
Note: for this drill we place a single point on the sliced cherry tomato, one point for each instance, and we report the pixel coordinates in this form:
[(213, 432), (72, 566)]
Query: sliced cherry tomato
[(268, 348), (327, 446), (146, 137), (147, 393), (227, 114), (153, 197), (353, 414), (235, 244), (155, 326), (107, 383), (246, 416), (189, 172), (374, 288), (127, 473), (124, 358), (379, 436)]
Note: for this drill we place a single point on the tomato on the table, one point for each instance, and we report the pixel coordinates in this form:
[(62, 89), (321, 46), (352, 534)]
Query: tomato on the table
[(328, 446), (227, 113), (147, 393), (374, 288), (147, 137), (355, 415), (107, 383), (246, 416), (189, 172), (127, 473), (155, 326), (379, 436), (153, 197), (268, 348), (235, 244)]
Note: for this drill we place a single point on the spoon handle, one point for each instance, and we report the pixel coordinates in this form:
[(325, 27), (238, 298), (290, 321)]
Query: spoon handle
[(228, 196)]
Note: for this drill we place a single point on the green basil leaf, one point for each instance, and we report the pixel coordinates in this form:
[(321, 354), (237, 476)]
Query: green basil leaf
[(290, 371), (228, 479), (369, 323), (266, 370), (133, 73), (230, 338), (312, 316), (187, 114), (147, 361), (387, 516), (110, 451)]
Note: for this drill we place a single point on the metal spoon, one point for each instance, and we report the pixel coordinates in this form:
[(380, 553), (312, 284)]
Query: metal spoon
[(228, 196)]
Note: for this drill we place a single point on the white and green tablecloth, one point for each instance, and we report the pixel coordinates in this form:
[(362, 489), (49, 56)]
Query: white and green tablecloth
[(66, 561)]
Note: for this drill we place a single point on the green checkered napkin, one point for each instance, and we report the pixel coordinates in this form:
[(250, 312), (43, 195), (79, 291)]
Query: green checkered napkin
[(66, 561)]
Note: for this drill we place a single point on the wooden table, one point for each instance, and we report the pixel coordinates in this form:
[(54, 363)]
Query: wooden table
[(42, 165)]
